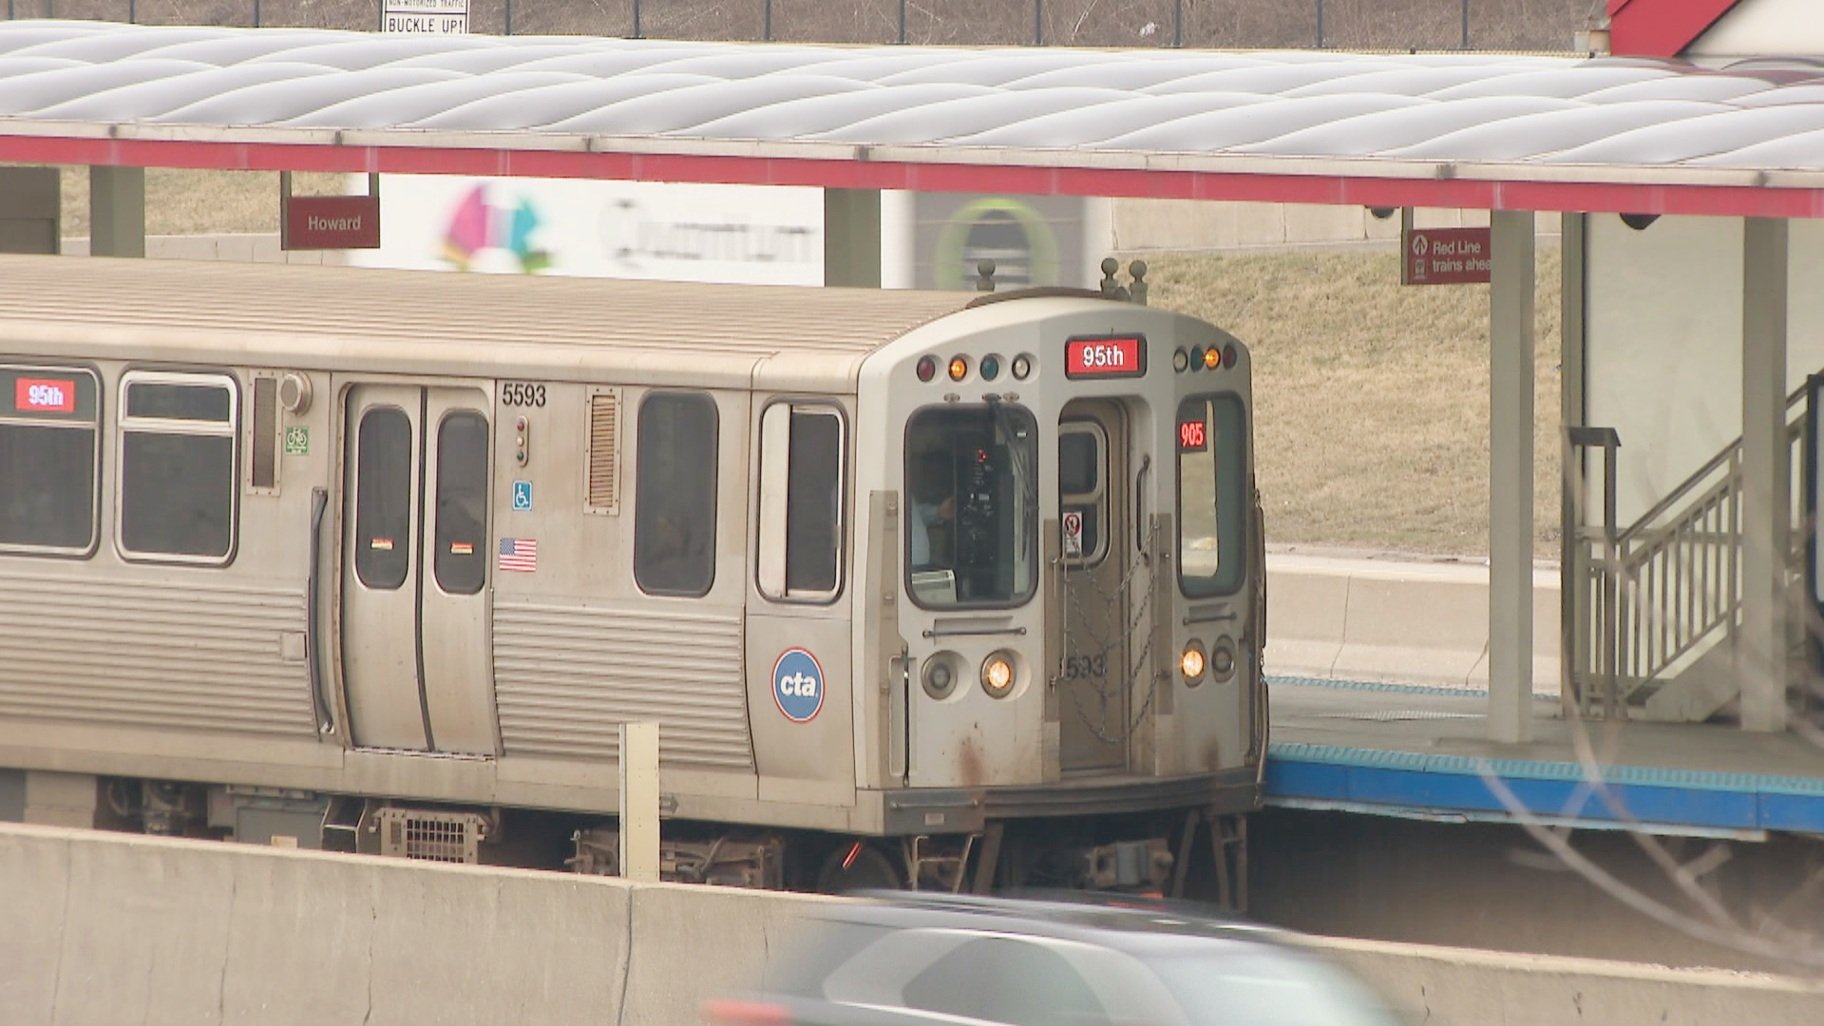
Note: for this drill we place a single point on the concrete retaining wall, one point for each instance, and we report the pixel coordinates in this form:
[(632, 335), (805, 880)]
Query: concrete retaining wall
[(110, 928), (1386, 620)]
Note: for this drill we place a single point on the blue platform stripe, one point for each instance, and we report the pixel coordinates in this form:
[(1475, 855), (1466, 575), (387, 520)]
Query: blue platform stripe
[(1391, 687), (1448, 783)]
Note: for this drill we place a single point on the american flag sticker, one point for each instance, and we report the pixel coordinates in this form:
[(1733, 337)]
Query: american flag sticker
[(520, 554)]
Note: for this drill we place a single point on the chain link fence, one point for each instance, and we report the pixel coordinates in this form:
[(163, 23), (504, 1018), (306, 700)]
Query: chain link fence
[(1218, 24)]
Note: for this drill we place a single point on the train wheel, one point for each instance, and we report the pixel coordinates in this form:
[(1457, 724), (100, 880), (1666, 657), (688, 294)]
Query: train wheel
[(858, 866)]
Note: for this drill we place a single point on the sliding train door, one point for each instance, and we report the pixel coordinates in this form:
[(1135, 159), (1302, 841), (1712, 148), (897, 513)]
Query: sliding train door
[(414, 616), (1102, 579)]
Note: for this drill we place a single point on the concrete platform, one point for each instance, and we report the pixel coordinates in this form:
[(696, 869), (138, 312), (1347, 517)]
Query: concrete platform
[(1423, 752)]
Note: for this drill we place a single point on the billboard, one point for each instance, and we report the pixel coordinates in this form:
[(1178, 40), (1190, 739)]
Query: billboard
[(648, 231), (759, 235)]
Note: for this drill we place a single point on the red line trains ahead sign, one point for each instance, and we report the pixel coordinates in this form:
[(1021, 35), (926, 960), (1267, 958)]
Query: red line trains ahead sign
[(1445, 256)]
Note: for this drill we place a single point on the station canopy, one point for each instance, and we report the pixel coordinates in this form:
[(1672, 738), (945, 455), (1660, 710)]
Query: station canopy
[(1520, 132)]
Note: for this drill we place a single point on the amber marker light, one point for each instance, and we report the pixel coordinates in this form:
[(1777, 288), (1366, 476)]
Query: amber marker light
[(1212, 358), (997, 675), (1191, 663), (959, 366)]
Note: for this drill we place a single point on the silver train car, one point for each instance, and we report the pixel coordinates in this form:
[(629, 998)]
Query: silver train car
[(926, 589)]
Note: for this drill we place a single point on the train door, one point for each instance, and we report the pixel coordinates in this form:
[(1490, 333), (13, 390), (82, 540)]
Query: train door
[(414, 625), (1101, 585)]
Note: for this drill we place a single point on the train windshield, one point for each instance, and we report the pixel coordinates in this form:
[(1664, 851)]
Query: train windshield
[(972, 511), (1212, 498)]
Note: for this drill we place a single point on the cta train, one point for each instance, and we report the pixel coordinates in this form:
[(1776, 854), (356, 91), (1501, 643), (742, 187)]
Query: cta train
[(921, 589)]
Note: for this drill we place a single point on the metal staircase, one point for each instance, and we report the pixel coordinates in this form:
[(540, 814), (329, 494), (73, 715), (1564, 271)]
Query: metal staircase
[(1652, 600)]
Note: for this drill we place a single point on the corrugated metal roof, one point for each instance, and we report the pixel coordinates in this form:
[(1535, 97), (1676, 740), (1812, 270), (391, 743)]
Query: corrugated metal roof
[(1516, 118), (675, 332)]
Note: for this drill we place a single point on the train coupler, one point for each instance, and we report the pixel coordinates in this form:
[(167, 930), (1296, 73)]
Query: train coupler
[(1144, 865)]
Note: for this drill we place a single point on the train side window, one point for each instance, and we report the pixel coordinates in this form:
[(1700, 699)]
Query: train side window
[(383, 498), (801, 527), (462, 507), (49, 443), (263, 436), (1082, 453), (178, 442), (674, 532), (1212, 504)]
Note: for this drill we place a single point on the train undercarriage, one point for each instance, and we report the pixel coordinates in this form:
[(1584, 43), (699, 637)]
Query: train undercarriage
[(1196, 852)]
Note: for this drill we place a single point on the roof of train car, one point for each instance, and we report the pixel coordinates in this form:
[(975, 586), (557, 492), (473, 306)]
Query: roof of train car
[(1495, 131), (414, 321)]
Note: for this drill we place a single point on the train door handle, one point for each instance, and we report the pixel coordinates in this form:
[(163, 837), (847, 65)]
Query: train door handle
[(1140, 531)]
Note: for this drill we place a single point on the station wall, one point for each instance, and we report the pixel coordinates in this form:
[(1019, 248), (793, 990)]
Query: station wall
[(1663, 361)]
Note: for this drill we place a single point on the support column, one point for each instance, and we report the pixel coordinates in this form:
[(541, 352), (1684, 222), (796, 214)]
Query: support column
[(31, 210), (117, 211), (851, 237), (1760, 667), (1510, 479), (1574, 478)]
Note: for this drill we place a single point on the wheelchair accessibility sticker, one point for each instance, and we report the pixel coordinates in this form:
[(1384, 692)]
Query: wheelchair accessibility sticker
[(798, 685), (522, 496)]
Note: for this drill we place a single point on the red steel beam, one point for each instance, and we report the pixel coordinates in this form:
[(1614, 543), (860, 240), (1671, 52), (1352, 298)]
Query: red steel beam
[(1363, 189)]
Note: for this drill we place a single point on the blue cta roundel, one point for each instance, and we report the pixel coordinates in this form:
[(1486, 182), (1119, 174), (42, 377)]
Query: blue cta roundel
[(798, 685)]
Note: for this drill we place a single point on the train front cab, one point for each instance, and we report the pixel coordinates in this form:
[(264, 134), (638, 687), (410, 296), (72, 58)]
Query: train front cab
[(1067, 621)]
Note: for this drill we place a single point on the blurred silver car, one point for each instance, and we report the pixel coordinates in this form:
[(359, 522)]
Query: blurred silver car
[(910, 959)]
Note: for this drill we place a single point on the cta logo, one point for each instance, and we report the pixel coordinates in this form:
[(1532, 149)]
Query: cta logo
[(798, 685), (44, 395)]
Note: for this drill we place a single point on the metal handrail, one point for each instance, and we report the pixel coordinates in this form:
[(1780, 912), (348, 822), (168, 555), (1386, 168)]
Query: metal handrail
[(1657, 590)]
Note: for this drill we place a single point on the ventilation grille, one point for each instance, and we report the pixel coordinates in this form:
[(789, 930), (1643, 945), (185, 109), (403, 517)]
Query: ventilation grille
[(431, 836), (604, 452)]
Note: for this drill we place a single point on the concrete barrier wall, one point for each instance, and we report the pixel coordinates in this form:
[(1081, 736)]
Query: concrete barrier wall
[(110, 928), (1455, 986), (1387, 620)]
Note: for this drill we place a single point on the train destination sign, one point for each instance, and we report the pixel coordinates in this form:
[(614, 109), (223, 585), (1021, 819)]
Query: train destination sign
[(47, 394), (1445, 256), (1119, 357)]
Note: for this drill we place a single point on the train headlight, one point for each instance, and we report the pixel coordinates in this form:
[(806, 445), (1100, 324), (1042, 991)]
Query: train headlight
[(1022, 367), (1191, 663), (1222, 659), (997, 675), (1180, 360), (959, 367), (927, 368), (939, 679)]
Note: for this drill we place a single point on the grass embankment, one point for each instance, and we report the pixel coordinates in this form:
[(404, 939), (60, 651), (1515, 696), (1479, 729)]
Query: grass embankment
[(1372, 397)]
